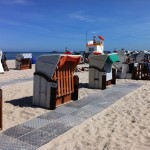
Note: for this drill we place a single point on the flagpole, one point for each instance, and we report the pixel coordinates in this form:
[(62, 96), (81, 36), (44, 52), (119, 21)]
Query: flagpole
[(86, 37)]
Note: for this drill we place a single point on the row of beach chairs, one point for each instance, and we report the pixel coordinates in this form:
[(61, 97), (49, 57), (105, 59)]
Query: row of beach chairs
[(133, 66), (56, 84)]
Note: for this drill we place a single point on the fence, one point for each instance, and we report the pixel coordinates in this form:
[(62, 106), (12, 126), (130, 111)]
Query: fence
[(141, 72)]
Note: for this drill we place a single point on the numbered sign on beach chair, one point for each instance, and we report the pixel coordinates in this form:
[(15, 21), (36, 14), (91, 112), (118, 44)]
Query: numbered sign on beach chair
[(54, 80)]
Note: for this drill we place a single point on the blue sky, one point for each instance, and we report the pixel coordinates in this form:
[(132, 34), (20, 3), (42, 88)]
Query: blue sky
[(47, 25)]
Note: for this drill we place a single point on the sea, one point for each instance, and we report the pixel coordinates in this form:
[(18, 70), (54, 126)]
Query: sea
[(12, 55)]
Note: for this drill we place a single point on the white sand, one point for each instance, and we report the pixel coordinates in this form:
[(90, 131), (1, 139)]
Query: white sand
[(125, 125), (17, 98)]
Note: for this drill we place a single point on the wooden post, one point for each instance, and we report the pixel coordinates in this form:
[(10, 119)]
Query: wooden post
[(53, 96), (103, 82), (113, 76), (1, 110), (30, 64), (76, 87), (133, 73)]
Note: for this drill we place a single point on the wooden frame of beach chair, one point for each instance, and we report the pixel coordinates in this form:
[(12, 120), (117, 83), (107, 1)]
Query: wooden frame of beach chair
[(67, 84), (1, 110)]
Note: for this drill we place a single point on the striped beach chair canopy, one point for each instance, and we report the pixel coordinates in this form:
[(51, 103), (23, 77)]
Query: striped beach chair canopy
[(24, 56)]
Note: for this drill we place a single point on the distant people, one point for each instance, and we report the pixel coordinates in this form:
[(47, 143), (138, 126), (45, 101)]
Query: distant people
[(127, 59), (5, 57), (1, 66), (4, 64), (85, 57)]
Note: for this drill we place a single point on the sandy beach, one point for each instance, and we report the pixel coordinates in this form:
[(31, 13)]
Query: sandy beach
[(125, 125)]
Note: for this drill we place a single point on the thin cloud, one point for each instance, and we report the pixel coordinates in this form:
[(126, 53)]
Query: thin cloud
[(86, 18), (10, 22), (23, 26), (135, 28), (17, 2)]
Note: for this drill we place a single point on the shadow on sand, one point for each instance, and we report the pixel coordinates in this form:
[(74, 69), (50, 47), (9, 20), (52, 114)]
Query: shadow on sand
[(27, 101), (83, 85), (22, 102)]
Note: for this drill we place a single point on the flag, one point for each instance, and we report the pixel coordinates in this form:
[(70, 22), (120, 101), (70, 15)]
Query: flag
[(101, 38)]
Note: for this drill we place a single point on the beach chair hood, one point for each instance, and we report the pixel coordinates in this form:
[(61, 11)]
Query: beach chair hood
[(99, 61), (112, 58), (24, 56), (47, 64)]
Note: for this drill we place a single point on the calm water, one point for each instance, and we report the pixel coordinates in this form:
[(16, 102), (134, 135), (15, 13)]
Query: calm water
[(12, 55)]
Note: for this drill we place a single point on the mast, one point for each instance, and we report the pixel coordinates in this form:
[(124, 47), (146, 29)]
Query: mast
[(86, 38)]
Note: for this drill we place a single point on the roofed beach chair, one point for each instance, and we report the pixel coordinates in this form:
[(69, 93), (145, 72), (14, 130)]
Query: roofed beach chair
[(54, 80), (122, 66), (24, 61), (140, 57), (101, 72)]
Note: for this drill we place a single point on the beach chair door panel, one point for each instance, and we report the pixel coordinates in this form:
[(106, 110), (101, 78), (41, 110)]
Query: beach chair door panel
[(64, 77), (95, 78), (41, 92)]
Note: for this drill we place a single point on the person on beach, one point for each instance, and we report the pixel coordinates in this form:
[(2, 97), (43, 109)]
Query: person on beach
[(5, 57), (4, 64)]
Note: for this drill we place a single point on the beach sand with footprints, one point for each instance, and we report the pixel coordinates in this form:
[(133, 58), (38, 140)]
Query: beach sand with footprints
[(123, 125)]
